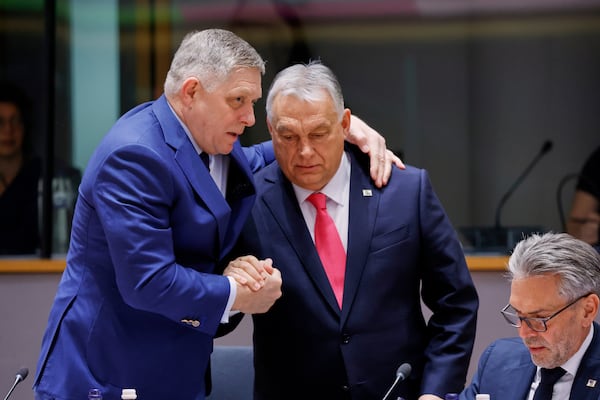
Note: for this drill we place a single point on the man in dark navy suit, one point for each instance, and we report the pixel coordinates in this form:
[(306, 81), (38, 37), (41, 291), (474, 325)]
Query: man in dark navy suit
[(553, 304), (341, 332)]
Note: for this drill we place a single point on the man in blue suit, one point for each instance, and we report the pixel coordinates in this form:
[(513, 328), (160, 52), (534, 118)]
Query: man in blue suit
[(142, 295), (400, 249), (555, 282)]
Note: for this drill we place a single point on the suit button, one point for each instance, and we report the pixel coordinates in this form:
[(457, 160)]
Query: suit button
[(193, 322), (346, 388), (345, 339)]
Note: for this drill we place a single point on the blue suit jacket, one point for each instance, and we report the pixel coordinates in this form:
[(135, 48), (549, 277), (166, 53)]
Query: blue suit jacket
[(399, 239), (138, 303), (506, 371)]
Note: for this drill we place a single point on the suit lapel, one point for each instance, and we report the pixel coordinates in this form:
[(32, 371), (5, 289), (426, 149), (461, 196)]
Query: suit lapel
[(364, 201), (199, 178), (279, 200), (188, 160), (586, 385), (240, 196)]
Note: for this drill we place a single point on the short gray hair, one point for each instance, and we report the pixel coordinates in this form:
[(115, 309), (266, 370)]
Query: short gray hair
[(210, 55), (574, 261), (306, 82)]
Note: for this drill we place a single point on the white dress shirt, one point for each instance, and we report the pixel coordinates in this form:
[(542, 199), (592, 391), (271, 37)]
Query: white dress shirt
[(562, 388)]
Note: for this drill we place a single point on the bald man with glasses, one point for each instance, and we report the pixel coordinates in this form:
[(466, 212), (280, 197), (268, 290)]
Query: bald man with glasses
[(555, 282)]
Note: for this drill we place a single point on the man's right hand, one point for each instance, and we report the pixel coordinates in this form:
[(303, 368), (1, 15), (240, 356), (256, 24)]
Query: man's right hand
[(258, 284)]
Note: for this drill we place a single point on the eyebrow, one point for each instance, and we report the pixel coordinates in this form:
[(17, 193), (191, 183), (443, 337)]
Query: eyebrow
[(241, 92), (281, 126), (530, 312)]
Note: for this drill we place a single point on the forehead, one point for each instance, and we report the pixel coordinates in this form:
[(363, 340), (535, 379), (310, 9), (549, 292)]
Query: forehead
[(291, 107), (243, 80), (535, 293)]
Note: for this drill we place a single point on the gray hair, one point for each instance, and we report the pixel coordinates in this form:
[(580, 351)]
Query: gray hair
[(210, 55), (306, 82), (574, 261)]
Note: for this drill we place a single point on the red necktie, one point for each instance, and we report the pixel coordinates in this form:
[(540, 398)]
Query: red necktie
[(329, 246)]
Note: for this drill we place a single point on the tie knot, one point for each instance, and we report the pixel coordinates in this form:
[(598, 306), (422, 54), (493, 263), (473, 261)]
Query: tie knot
[(319, 200), (550, 376)]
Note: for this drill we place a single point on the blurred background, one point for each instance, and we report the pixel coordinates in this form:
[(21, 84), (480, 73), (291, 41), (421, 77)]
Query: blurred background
[(470, 90)]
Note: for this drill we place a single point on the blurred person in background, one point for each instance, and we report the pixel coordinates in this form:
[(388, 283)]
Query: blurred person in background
[(20, 175), (584, 217), (20, 171)]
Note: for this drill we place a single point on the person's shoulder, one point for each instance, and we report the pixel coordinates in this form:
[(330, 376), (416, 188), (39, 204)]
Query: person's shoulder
[(268, 173), (411, 177), (507, 346), (363, 160)]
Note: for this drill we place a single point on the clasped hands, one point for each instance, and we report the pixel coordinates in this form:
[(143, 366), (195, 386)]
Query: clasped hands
[(258, 284)]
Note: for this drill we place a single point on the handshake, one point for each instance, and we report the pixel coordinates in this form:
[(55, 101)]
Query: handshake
[(258, 284)]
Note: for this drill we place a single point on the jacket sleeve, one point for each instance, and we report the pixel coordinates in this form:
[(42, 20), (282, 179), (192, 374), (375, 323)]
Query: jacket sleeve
[(134, 193), (448, 291), (259, 155)]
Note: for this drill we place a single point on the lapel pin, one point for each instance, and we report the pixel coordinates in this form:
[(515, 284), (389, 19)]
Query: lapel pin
[(591, 383), (367, 193)]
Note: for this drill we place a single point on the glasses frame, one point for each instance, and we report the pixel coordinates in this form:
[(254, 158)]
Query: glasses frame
[(506, 314)]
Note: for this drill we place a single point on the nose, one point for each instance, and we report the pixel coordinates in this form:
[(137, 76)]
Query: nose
[(305, 148), (247, 117)]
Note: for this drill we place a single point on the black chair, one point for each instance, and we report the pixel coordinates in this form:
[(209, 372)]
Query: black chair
[(232, 372)]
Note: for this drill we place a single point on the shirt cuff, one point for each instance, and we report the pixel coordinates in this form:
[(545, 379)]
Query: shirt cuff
[(232, 293)]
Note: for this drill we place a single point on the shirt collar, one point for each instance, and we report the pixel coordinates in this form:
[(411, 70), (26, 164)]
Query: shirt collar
[(186, 130)]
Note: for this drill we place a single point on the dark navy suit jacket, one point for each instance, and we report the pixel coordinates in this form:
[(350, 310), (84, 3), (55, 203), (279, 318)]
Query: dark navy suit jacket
[(139, 302), (506, 371), (401, 249)]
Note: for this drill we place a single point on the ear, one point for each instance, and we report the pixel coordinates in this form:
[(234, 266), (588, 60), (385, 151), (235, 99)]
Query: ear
[(590, 307), (190, 88), (346, 121)]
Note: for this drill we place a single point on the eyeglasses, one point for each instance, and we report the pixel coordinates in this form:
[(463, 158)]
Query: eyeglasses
[(536, 324)]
